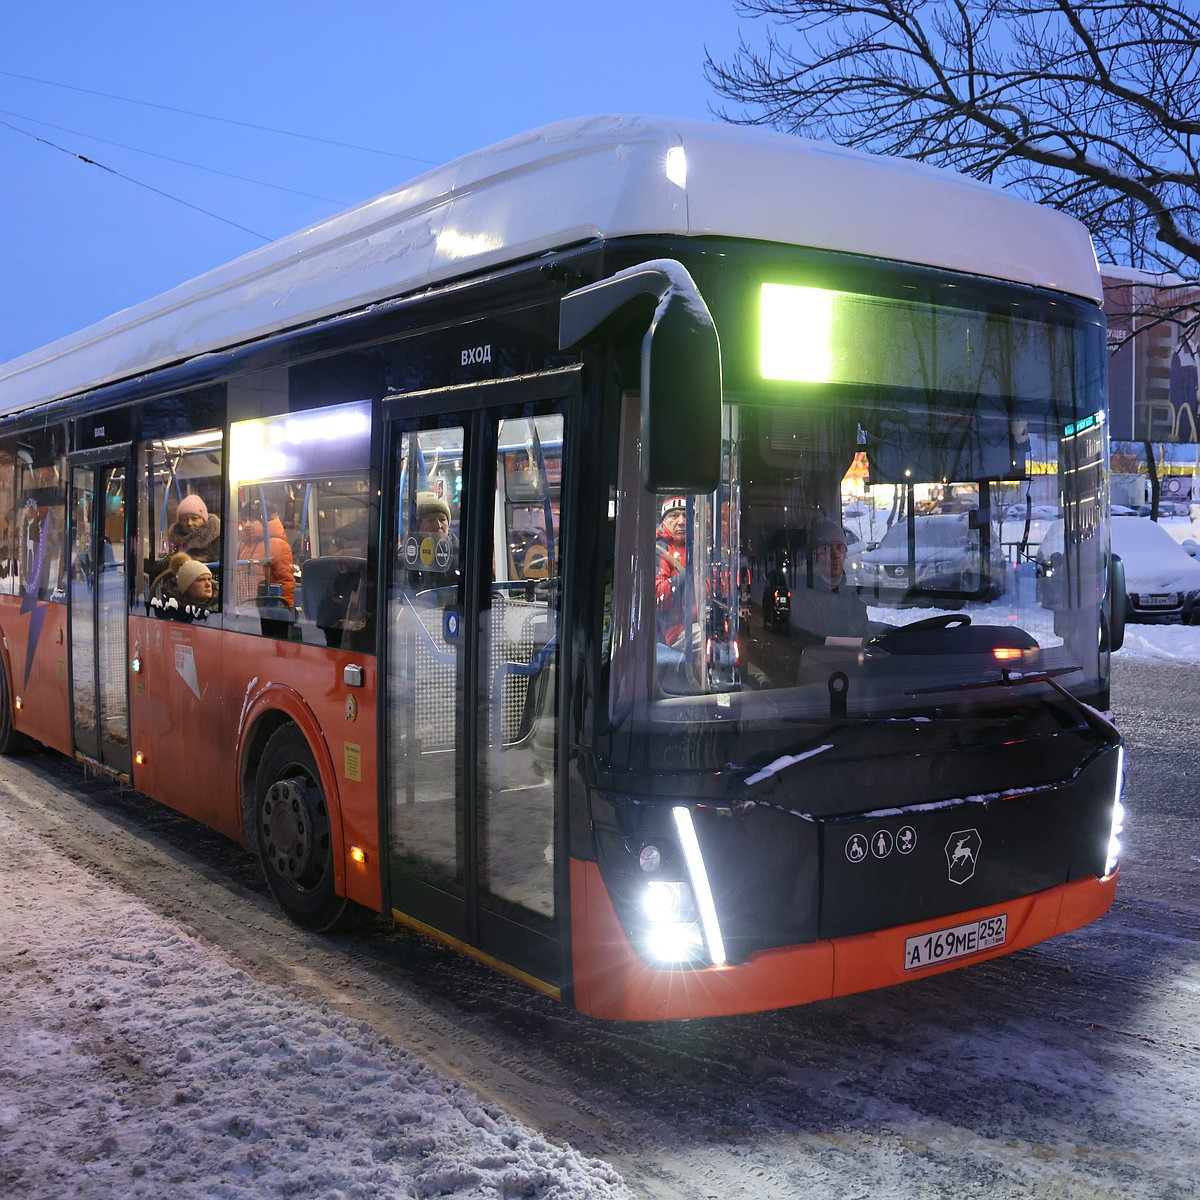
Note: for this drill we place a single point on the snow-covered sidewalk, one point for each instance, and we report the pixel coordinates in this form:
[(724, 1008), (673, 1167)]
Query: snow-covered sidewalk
[(138, 1061)]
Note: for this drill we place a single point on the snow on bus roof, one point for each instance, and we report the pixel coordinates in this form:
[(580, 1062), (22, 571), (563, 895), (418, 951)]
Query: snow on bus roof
[(559, 185)]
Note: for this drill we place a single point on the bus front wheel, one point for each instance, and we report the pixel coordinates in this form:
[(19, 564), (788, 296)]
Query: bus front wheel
[(292, 833)]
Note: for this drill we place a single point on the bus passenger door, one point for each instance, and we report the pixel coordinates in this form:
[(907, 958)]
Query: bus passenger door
[(98, 603), (471, 713)]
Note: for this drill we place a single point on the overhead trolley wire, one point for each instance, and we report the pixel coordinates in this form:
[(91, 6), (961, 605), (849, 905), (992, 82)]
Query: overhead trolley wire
[(168, 158), (129, 179), (225, 120)]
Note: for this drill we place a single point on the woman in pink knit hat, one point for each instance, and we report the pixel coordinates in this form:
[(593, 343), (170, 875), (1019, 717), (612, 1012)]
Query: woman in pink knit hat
[(195, 530)]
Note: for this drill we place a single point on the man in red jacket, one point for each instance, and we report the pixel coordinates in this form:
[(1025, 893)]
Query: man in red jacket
[(671, 574)]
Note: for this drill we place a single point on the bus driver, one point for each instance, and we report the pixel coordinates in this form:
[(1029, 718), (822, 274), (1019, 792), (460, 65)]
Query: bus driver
[(824, 604)]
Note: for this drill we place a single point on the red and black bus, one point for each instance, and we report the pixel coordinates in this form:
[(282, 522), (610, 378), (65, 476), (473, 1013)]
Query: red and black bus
[(617, 565)]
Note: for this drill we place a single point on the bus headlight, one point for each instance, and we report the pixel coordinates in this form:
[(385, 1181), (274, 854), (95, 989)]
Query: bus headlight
[(675, 942), (1118, 818), (698, 876), (680, 917), (652, 864), (672, 931), (668, 901), (1114, 841)]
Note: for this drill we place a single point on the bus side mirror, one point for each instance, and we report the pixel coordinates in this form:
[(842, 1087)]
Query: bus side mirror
[(681, 400), (680, 367), (1116, 602)]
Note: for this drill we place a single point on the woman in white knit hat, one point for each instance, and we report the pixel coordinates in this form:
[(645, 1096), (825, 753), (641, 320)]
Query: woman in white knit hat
[(185, 591)]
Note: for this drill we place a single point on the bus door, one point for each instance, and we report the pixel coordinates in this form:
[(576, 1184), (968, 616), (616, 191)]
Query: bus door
[(471, 725), (99, 608)]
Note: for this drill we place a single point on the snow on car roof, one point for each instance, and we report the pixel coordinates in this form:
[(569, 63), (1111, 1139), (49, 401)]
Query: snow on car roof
[(562, 184), (1154, 561)]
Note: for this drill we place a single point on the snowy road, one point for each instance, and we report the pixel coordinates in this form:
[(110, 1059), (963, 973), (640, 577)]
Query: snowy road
[(1068, 1070)]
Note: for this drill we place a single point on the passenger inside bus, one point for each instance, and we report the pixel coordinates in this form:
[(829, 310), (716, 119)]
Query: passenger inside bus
[(266, 575), (433, 521), (671, 574), (185, 590), (179, 477), (337, 599), (195, 530), (195, 583), (433, 514)]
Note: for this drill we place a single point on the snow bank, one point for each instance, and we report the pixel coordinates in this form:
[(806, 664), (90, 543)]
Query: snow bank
[(1167, 643)]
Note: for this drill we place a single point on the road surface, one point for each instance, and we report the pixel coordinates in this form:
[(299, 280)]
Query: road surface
[(1067, 1070)]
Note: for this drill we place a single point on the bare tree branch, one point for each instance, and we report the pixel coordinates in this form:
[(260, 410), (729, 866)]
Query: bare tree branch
[(1089, 106)]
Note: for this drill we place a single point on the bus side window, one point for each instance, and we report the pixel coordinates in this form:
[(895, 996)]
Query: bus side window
[(523, 613), (429, 507), (336, 592), (37, 551), (8, 510), (179, 506), (300, 485)]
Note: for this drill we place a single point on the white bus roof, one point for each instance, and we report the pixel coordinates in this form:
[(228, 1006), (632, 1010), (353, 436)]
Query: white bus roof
[(570, 182)]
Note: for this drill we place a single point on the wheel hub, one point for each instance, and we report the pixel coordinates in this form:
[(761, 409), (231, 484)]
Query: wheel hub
[(289, 827)]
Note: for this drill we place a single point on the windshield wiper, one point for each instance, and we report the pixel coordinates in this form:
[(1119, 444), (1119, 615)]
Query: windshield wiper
[(1010, 678)]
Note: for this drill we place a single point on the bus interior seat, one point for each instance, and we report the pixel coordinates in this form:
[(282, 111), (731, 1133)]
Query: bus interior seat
[(328, 587)]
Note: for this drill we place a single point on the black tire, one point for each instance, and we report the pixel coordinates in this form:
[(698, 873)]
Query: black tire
[(11, 742), (291, 832)]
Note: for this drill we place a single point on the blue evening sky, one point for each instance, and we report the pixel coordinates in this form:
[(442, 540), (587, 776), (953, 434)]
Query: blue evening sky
[(417, 83)]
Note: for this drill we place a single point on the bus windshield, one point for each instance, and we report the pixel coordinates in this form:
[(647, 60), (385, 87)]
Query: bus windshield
[(873, 551)]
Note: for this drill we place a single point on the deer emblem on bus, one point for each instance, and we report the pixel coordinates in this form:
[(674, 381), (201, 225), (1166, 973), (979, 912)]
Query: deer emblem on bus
[(962, 854)]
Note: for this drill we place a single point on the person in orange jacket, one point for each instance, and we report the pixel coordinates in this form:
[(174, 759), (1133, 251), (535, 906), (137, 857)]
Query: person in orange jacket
[(272, 552)]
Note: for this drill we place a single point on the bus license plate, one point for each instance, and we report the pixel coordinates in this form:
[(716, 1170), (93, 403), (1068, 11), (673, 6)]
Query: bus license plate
[(944, 944)]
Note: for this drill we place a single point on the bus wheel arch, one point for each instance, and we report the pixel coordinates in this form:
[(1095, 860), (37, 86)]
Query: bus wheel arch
[(290, 822)]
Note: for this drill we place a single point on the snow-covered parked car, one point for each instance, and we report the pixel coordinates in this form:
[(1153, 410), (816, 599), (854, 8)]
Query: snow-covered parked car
[(1162, 581), (1185, 531)]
